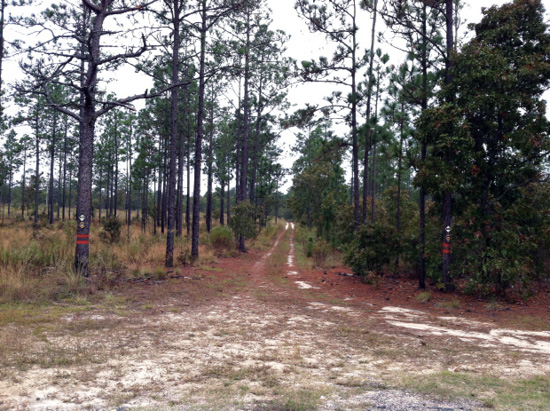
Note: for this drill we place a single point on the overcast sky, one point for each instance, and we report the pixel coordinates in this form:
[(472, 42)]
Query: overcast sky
[(302, 45)]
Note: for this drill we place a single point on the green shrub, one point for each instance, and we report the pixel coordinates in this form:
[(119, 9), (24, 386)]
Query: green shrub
[(111, 230), (244, 220), (221, 238), (304, 237), (216, 215), (374, 247), (309, 246), (321, 252)]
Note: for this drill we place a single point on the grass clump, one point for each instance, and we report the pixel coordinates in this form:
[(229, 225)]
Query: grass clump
[(320, 253), (222, 238), (453, 304), (301, 399), (424, 297), (493, 392)]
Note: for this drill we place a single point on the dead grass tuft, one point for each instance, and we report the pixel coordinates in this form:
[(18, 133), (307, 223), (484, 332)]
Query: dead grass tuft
[(453, 304)]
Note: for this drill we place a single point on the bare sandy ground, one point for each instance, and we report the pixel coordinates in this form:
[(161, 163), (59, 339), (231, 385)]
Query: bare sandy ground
[(276, 343)]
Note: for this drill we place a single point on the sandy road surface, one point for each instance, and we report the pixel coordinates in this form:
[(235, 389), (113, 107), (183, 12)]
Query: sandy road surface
[(277, 341)]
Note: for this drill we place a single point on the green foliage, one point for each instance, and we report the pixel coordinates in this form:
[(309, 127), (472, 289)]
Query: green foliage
[(409, 222), (318, 190), (344, 228), (321, 252), (303, 236), (314, 247), (489, 141), (244, 220), (221, 238), (374, 247), (309, 247), (111, 230), (507, 250)]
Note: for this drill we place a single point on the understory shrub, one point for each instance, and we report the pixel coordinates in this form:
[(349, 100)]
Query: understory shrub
[(321, 252), (374, 247), (111, 230), (304, 236), (244, 220), (221, 238)]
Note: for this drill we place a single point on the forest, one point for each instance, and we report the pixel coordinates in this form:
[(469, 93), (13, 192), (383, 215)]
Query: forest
[(435, 166)]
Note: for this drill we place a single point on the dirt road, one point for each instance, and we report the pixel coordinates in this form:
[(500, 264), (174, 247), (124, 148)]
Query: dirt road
[(259, 332)]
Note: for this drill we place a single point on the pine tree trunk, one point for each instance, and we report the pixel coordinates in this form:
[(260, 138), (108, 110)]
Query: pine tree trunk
[(198, 141), (423, 153), (86, 137), (367, 131), (164, 180), (373, 178), (244, 153), (210, 160), (23, 183), (188, 195), (115, 197), (84, 191), (52, 164), (256, 144), (355, 145), (222, 201), (447, 197), (169, 260), (179, 208), (37, 173), (228, 201)]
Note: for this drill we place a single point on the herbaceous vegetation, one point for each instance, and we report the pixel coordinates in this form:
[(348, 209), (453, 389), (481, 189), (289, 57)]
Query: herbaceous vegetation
[(431, 162)]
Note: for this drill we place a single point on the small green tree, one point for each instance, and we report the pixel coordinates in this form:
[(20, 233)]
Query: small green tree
[(244, 220), (374, 247)]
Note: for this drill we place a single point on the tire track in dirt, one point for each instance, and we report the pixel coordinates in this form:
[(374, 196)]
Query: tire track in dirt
[(246, 350), (482, 334)]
